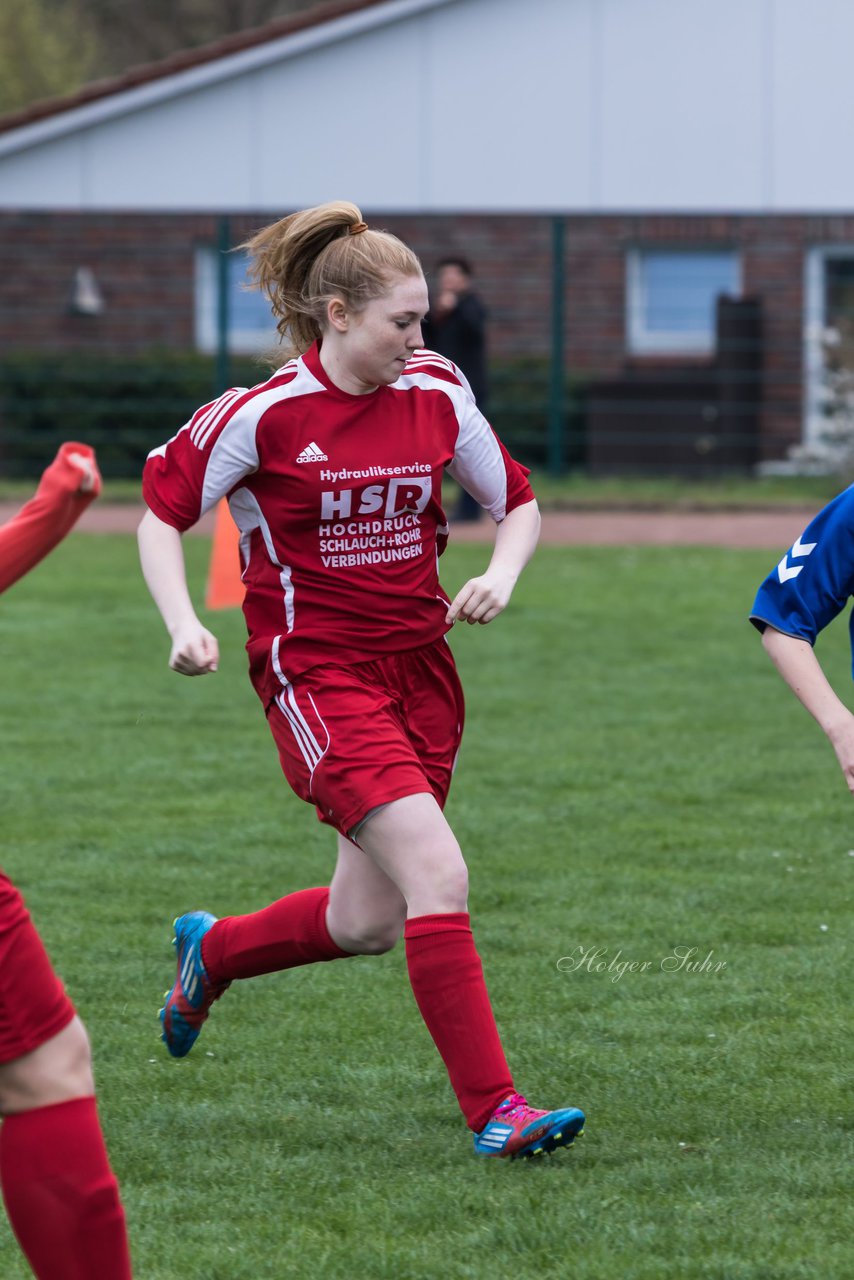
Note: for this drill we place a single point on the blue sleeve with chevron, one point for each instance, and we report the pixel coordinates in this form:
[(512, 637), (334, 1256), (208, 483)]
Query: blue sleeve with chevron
[(815, 578)]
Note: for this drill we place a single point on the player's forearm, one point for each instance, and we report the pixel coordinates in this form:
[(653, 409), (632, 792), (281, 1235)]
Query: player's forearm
[(161, 555), (37, 528), (27, 539), (800, 668), (516, 540)]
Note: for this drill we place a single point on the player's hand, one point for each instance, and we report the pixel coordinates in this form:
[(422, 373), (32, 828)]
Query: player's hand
[(481, 599), (195, 651), (90, 477), (842, 741)]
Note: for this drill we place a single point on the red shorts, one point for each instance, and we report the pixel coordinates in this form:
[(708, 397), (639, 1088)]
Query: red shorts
[(352, 738), (33, 1003)]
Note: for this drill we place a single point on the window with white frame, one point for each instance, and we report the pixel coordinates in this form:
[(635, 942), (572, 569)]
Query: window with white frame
[(251, 327), (671, 298), (828, 340)]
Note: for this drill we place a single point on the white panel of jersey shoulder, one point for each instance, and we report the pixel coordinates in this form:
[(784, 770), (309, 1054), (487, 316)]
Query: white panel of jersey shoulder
[(235, 453), (477, 463), (160, 451)]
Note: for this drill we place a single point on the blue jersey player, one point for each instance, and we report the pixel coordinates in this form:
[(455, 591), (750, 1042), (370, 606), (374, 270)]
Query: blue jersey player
[(800, 596)]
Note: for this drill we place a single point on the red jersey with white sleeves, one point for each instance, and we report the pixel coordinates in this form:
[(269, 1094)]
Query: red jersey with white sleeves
[(338, 501)]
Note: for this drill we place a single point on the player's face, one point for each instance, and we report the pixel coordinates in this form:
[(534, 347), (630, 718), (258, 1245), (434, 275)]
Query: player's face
[(382, 336)]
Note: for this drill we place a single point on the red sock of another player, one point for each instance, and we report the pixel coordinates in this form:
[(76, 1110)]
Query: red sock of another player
[(449, 987), (61, 1194), (286, 934)]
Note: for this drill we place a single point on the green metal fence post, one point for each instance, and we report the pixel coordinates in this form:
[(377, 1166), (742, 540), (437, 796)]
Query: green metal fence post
[(556, 418), (223, 377)]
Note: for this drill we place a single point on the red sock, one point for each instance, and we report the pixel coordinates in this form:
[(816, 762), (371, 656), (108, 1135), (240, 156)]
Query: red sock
[(447, 980), (61, 1194), (286, 934)]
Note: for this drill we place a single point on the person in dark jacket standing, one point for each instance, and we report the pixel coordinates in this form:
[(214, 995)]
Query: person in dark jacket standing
[(456, 328)]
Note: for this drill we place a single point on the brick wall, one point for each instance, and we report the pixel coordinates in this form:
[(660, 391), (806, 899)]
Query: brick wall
[(144, 268)]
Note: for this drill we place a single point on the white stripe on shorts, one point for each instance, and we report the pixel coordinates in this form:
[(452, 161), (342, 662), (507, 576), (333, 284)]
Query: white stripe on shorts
[(310, 748)]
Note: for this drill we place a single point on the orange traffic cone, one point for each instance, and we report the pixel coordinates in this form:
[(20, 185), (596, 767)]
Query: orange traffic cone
[(225, 589)]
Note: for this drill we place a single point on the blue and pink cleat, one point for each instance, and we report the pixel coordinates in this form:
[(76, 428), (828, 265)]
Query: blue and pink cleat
[(188, 1003), (515, 1129)]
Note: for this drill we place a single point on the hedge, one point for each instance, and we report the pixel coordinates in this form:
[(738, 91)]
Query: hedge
[(126, 407)]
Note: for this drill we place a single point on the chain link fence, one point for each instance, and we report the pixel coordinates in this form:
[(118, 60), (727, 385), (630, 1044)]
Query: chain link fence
[(617, 346)]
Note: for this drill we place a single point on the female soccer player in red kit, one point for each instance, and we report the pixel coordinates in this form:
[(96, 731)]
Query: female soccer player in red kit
[(60, 1192), (333, 472)]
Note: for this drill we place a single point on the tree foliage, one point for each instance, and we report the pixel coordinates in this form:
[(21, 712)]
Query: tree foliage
[(53, 47), (130, 32), (44, 51)]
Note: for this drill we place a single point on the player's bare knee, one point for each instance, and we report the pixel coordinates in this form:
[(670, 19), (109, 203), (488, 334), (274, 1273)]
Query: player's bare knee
[(67, 1067), (455, 891), (455, 877), (372, 938), (379, 940), (444, 890), (57, 1071), (76, 1056)]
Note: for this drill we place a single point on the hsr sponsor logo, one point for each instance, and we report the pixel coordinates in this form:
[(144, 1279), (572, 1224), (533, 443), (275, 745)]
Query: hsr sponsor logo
[(398, 496)]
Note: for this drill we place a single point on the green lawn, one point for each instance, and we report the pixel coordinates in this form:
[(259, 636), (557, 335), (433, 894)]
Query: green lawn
[(579, 491), (634, 780)]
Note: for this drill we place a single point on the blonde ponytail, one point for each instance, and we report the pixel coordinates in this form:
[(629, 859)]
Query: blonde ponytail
[(308, 258)]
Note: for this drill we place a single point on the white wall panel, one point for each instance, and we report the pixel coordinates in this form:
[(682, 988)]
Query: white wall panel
[(45, 177), (484, 105), (187, 152), (682, 104), (344, 123), (813, 122), (510, 103)]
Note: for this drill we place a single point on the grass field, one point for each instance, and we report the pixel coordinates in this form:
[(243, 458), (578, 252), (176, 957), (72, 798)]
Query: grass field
[(634, 779)]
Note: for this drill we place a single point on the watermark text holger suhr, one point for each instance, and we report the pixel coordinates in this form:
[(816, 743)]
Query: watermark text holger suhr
[(678, 960)]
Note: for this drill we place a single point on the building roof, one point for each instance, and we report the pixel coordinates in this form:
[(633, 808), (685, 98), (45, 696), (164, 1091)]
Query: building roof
[(458, 106)]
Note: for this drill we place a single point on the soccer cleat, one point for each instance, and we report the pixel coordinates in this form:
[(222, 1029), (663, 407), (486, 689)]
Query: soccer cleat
[(515, 1129), (188, 1003)]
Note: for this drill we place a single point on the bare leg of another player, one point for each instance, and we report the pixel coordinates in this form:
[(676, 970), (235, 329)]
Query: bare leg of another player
[(59, 1190)]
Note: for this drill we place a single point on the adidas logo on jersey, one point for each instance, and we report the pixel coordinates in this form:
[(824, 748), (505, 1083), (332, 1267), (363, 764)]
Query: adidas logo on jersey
[(312, 453)]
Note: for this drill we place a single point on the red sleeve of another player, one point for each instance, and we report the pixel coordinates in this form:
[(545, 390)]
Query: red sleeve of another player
[(45, 520)]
